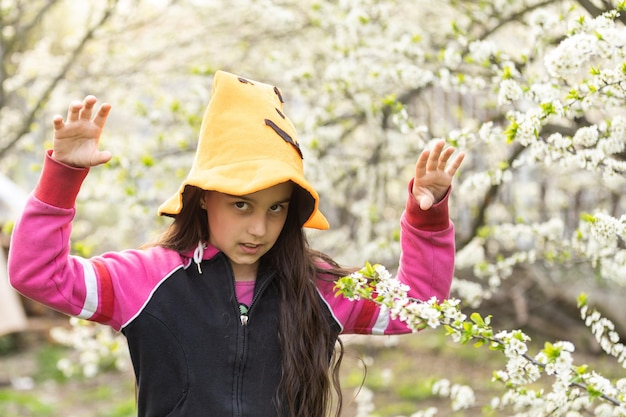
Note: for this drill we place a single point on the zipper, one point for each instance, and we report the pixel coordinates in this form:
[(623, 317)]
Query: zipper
[(242, 349), (244, 311), (243, 314), (242, 338)]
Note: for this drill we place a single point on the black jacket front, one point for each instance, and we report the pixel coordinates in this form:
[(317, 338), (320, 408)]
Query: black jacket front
[(193, 355)]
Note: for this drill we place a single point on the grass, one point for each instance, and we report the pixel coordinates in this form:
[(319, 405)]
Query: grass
[(111, 394), (22, 404), (47, 357)]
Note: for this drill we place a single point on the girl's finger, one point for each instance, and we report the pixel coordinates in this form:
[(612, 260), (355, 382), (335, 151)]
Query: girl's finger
[(74, 110), (433, 160), (102, 114), (420, 166), (57, 122), (445, 156), (455, 164), (87, 109)]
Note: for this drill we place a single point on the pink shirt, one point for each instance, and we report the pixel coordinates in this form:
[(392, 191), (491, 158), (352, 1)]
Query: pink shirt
[(245, 291)]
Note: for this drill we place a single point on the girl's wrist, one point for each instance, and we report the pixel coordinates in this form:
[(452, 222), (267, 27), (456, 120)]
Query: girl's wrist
[(59, 183), (436, 218)]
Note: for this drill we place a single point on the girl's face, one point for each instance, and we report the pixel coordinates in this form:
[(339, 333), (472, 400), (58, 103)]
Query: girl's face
[(246, 227)]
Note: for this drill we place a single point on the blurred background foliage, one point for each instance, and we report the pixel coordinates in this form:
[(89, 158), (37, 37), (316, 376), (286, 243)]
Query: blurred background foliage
[(368, 84)]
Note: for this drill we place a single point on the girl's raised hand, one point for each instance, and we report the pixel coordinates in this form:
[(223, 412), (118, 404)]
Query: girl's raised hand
[(76, 140), (433, 174)]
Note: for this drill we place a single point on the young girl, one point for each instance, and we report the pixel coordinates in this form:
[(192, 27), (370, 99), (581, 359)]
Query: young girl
[(230, 313)]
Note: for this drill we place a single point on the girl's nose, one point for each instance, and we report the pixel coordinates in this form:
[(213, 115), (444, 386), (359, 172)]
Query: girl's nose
[(258, 225)]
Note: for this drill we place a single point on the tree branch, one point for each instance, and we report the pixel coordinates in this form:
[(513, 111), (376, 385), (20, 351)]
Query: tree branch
[(10, 46), (26, 125), (514, 17), (595, 11), (488, 199)]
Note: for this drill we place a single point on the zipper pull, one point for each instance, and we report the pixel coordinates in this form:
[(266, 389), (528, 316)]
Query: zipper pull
[(243, 310)]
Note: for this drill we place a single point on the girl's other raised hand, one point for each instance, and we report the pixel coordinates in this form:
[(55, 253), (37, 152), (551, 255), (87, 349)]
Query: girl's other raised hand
[(76, 140), (433, 174)]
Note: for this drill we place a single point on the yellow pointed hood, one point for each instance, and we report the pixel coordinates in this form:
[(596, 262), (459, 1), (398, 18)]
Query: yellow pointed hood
[(247, 144)]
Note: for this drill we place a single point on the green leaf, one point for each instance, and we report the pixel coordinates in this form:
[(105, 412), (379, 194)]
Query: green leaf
[(573, 94), (476, 318), (586, 217), (593, 392), (504, 165), (369, 271), (7, 228), (548, 109), (147, 160), (511, 131), (497, 346), (507, 74), (582, 369), (551, 351), (484, 231), (390, 99), (83, 249), (518, 335), (449, 330)]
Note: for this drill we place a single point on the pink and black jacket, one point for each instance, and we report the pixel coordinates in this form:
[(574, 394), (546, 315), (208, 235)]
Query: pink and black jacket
[(191, 352)]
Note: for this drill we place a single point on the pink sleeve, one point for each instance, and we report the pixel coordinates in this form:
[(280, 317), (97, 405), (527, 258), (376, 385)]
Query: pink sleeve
[(40, 265), (426, 265)]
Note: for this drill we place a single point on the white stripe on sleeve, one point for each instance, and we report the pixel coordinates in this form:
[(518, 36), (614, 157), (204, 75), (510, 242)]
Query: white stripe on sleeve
[(382, 321), (91, 290)]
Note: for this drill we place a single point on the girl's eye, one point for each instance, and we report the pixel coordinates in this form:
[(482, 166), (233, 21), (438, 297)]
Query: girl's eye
[(277, 208), (241, 205)]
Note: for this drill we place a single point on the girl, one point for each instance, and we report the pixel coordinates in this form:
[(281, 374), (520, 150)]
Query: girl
[(230, 312)]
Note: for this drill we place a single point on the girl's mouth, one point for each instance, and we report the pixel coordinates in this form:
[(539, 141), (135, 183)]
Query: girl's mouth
[(250, 248)]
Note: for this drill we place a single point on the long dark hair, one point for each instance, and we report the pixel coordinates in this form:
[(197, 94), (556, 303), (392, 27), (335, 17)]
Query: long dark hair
[(311, 350)]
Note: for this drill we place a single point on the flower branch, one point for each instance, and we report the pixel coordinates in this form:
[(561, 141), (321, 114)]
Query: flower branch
[(375, 283)]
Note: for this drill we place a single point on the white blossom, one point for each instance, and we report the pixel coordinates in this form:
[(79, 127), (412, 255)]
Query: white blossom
[(568, 58), (586, 136), (462, 397), (509, 91), (481, 51)]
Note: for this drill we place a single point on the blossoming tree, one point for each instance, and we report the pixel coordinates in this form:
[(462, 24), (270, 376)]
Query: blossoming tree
[(533, 91)]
